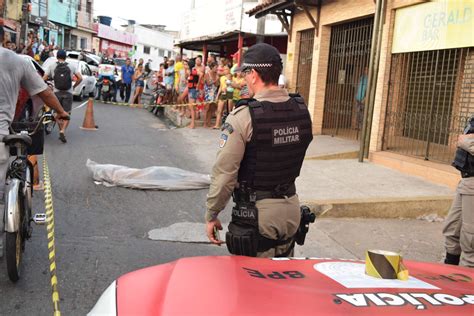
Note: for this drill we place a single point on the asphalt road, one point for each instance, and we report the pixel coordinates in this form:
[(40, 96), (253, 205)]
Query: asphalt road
[(101, 233)]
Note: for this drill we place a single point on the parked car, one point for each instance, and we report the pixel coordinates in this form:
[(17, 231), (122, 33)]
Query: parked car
[(91, 60), (235, 285), (87, 86)]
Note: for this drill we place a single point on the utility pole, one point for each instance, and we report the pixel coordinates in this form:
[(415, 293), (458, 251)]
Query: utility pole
[(374, 62), (25, 9)]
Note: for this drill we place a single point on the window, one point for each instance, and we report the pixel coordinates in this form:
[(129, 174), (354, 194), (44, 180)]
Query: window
[(85, 70), (79, 5), (83, 43), (73, 44), (146, 49), (89, 6), (169, 54), (161, 52)]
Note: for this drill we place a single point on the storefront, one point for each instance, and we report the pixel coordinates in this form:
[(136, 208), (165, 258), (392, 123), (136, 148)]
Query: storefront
[(38, 17), (423, 76), (115, 48), (430, 97), (113, 42)]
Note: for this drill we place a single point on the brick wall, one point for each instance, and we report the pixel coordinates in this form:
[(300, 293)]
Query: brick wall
[(335, 12)]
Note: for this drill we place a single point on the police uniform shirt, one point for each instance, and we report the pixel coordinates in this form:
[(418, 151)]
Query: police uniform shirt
[(236, 133)]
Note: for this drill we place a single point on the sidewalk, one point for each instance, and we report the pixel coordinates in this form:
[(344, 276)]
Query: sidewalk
[(380, 205), (345, 187)]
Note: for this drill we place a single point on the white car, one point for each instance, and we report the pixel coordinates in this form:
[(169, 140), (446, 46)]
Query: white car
[(87, 85), (91, 60)]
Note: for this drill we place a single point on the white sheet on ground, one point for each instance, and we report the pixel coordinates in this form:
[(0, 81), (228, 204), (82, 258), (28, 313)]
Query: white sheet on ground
[(151, 178)]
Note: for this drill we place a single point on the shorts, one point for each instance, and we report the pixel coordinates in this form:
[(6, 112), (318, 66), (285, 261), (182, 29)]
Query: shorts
[(193, 94), (65, 98)]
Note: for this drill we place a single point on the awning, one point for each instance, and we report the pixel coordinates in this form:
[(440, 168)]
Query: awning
[(284, 9), (9, 25), (215, 42)]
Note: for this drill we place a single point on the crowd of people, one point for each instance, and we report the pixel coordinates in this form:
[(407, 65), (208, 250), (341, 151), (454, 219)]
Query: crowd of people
[(39, 50), (210, 90)]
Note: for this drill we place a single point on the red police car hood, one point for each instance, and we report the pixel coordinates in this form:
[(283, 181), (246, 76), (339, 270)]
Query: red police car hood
[(242, 286)]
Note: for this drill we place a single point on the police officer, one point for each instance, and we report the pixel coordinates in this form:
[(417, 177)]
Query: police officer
[(262, 147), (459, 225)]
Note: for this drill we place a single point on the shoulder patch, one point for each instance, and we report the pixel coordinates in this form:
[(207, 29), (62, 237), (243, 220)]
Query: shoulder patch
[(223, 140), (227, 127)]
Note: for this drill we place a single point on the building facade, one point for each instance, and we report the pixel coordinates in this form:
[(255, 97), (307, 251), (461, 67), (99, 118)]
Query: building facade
[(81, 37), (152, 43), (63, 15), (10, 17), (424, 91)]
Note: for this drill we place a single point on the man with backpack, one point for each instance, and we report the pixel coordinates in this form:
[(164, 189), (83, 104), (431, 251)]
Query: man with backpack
[(62, 73)]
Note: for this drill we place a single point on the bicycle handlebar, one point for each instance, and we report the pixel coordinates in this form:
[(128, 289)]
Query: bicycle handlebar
[(42, 119)]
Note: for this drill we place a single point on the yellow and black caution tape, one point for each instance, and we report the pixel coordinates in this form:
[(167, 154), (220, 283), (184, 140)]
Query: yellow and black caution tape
[(140, 106), (146, 106), (385, 265), (48, 202)]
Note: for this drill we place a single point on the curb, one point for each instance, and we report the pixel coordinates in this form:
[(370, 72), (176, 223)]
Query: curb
[(336, 156), (409, 207)]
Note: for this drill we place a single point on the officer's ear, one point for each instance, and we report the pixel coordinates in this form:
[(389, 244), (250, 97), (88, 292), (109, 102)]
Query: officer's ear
[(254, 76)]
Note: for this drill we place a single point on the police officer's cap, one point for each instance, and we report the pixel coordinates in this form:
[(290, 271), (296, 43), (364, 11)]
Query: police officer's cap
[(260, 56)]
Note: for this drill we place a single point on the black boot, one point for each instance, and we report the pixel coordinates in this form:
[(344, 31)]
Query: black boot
[(452, 259)]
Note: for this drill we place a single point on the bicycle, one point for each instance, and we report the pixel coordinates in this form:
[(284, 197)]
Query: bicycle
[(18, 193)]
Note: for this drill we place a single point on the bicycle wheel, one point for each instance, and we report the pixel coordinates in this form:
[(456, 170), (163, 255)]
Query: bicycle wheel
[(15, 242), (13, 255)]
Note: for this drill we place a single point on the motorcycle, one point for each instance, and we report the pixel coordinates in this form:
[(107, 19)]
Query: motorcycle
[(106, 89)]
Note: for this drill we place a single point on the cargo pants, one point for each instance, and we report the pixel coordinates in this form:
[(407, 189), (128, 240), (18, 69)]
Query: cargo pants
[(278, 219), (459, 225)]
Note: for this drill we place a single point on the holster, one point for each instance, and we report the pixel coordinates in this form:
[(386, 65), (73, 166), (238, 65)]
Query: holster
[(242, 237)]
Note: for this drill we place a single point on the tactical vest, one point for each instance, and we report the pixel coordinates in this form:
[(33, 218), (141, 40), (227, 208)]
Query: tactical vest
[(464, 162), (281, 134)]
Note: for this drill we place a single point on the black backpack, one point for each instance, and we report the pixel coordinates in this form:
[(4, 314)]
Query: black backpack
[(62, 77)]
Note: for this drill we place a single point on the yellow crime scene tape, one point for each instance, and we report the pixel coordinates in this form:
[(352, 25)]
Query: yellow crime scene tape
[(385, 265), (48, 203), (143, 106)]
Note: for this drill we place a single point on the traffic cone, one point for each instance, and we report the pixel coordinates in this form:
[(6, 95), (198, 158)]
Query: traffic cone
[(89, 123)]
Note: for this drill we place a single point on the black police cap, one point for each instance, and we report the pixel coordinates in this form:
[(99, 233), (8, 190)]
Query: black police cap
[(260, 56)]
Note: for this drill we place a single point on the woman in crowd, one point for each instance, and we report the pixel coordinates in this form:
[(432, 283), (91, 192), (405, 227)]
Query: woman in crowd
[(223, 67), (139, 78), (182, 86), (210, 91), (222, 96)]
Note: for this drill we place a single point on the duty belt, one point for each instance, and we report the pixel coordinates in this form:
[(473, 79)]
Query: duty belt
[(289, 192)]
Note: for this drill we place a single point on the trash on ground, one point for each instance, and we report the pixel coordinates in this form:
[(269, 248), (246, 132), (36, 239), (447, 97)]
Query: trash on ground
[(151, 178), (431, 218)]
